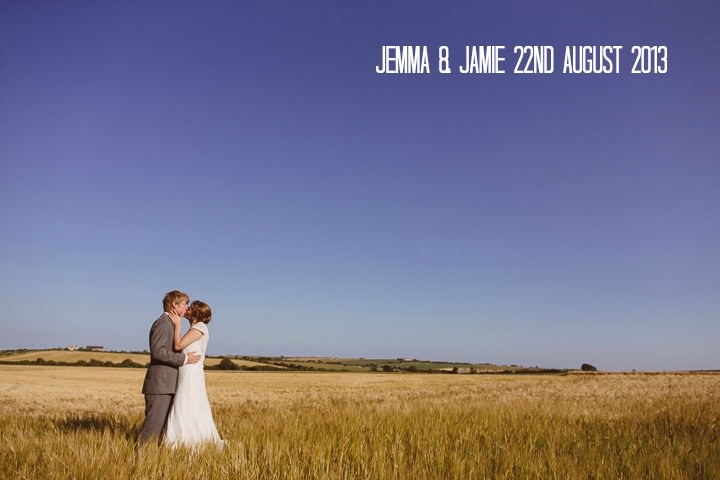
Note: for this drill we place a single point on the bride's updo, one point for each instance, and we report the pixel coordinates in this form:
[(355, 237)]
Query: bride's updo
[(199, 312)]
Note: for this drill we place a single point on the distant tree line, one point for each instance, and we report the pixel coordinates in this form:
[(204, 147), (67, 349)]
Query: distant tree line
[(227, 364), (269, 365), (273, 364), (127, 363)]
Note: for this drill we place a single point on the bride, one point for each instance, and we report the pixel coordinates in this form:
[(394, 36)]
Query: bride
[(190, 422)]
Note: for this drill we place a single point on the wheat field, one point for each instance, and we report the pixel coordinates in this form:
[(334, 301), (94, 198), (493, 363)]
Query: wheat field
[(71, 422)]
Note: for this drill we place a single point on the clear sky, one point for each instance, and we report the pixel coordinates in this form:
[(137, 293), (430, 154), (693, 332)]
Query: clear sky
[(249, 154)]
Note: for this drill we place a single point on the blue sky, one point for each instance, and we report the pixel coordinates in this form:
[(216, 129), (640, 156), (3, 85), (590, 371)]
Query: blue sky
[(249, 154)]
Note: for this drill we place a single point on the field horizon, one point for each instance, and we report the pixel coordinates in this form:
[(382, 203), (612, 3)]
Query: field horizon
[(139, 359), (94, 357)]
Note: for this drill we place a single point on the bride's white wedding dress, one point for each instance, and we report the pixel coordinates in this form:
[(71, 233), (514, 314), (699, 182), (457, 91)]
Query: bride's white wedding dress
[(190, 422)]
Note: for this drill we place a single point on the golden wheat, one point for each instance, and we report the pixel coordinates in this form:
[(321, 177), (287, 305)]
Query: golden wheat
[(65, 422)]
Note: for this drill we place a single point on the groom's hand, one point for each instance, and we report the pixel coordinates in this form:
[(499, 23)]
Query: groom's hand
[(192, 357)]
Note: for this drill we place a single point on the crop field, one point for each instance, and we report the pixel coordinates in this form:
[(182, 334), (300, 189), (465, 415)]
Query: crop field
[(73, 422)]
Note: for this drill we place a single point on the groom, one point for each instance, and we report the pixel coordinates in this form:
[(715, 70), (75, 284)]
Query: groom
[(162, 374)]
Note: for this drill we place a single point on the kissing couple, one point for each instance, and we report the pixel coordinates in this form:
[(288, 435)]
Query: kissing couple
[(177, 411)]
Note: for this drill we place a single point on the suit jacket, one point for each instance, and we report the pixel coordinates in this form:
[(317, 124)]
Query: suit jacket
[(162, 374)]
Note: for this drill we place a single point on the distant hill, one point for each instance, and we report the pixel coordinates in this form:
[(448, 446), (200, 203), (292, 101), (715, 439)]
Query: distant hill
[(74, 356), (237, 362), (392, 365)]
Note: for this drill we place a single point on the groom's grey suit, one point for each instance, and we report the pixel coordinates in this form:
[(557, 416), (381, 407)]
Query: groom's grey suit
[(161, 378)]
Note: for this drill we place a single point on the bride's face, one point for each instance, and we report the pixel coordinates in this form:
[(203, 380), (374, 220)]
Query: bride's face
[(188, 316)]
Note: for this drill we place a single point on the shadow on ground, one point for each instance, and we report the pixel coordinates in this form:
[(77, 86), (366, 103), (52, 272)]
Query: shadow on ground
[(95, 422)]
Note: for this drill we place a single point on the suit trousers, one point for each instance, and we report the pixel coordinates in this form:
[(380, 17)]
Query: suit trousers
[(157, 409)]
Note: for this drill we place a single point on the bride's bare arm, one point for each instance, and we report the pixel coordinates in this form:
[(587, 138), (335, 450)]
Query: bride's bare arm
[(189, 337)]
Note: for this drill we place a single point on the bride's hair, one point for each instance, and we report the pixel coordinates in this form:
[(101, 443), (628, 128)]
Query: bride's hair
[(200, 311)]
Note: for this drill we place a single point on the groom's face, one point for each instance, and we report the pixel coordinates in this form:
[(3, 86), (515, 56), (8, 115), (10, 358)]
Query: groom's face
[(180, 308)]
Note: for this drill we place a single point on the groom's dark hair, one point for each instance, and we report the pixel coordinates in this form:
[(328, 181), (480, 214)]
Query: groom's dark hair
[(176, 296)]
